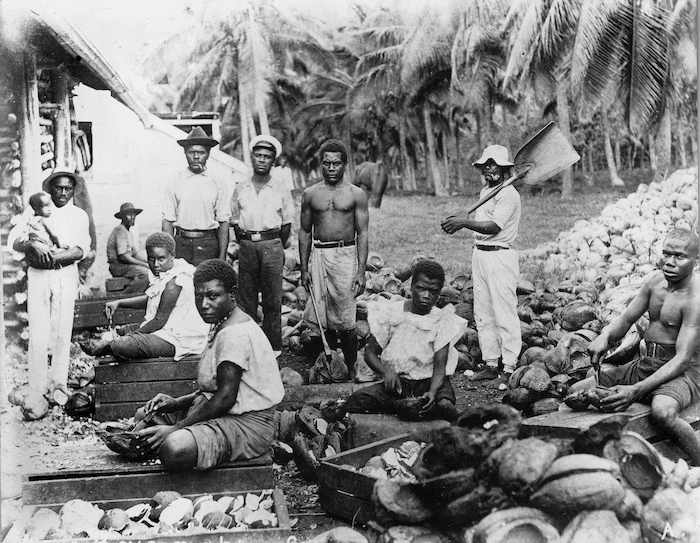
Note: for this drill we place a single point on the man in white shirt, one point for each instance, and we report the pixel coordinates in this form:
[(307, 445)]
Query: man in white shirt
[(495, 267), (52, 283), (195, 205), (262, 214)]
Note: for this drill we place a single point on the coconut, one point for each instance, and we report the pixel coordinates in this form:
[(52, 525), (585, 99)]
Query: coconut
[(16, 395), (472, 507), (535, 379), (42, 522), (598, 526), (138, 512), (520, 398), (516, 525), (523, 465), (79, 404), (396, 534), (291, 378), (177, 513), (410, 408), (595, 396), (670, 515), (114, 519), (447, 487), (34, 406), (545, 405), (578, 401), (532, 354), (398, 504)]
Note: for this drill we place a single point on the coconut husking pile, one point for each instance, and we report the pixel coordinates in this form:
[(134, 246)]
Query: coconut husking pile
[(476, 478)]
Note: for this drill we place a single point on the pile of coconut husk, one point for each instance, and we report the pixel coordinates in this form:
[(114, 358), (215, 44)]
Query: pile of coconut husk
[(481, 482)]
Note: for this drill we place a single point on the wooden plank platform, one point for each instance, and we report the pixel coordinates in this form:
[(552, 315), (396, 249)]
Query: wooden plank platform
[(109, 477), (90, 313), (366, 429), (568, 423), (122, 387)]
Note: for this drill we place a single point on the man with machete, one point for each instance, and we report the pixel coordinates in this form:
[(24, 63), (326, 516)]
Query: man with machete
[(334, 213), (495, 266), (668, 375)]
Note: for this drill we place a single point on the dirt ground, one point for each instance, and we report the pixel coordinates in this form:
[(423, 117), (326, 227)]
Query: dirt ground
[(58, 442)]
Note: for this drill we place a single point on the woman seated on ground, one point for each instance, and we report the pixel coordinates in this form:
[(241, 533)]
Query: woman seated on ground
[(231, 416), (172, 327), (412, 348)]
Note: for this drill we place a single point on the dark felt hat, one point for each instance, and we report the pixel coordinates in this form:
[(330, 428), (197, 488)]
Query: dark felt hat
[(127, 206), (78, 182), (198, 136)]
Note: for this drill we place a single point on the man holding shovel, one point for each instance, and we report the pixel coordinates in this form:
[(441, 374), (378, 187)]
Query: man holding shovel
[(334, 216), (495, 267)]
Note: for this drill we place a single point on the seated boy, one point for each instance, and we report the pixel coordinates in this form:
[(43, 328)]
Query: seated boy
[(412, 348)]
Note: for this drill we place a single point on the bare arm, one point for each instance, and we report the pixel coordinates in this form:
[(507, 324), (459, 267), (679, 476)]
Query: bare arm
[(285, 231), (305, 238), (167, 227), (373, 353), (128, 258), (168, 300), (452, 224), (66, 257), (222, 234), (437, 378), (361, 228)]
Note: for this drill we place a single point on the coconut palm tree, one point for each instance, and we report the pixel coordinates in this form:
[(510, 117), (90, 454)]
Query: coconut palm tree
[(645, 53)]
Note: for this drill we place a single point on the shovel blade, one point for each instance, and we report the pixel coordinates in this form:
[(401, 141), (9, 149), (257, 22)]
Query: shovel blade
[(548, 153)]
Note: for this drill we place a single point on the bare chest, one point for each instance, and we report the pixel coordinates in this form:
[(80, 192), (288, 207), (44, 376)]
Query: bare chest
[(328, 201), (667, 307)]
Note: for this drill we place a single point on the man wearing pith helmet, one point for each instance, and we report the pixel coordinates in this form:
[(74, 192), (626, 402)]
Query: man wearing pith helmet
[(262, 214), (495, 267), (195, 206)]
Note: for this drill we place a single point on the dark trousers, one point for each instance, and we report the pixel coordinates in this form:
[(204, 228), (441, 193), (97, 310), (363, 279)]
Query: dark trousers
[(196, 250), (376, 399), (137, 346), (260, 270), (137, 275)]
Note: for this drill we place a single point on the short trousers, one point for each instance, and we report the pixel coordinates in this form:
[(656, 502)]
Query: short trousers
[(137, 346), (684, 389)]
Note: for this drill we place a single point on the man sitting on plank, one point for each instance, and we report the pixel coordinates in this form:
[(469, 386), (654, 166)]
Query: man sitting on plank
[(231, 416), (412, 347), (668, 376), (172, 327)]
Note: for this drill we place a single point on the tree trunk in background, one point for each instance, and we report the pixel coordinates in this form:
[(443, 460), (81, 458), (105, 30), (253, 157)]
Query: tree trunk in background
[(245, 135), (458, 158), (479, 135), (615, 180), (618, 154), (347, 137), (663, 145), (409, 176), (259, 99), (682, 139), (63, 141), (567, 177), (431, 164), (694, 145), (653, 162), (449, 185)]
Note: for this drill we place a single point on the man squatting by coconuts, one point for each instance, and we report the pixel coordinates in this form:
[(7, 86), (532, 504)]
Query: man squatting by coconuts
[(411, 346)]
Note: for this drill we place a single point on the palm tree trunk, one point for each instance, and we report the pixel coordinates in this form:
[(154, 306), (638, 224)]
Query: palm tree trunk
[(682, 143), (347, 137), (449, 185), (663, 144), (694, 145), (407, 173), (653, 159), (618, 153), (458, 158), (615, 180), (258, 98), (245, 135), (434, 170), (567, 177)]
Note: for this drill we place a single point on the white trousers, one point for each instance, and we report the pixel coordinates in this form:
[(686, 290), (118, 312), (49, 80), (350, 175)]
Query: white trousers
[(495, 277), (50, 304)]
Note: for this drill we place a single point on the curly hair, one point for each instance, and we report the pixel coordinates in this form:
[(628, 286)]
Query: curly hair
[(334, 146), (430, 270), (684, 235), (216, 269), (161, 239)]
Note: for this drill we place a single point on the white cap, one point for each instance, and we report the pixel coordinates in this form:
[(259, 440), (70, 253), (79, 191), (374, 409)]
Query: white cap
[(497, 153), (270, 140)]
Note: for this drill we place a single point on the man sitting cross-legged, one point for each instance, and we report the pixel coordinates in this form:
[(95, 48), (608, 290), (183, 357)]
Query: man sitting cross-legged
[(668, 376), (412, 347), (231, 415)]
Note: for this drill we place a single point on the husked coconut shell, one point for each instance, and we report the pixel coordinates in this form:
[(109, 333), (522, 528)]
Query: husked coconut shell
[(516, 525), (671, 515), (535, 379), (520, 398), (594, 438), (401, 534), (523, 465), (374, 262), (472, 506), (640, 463), (449, 295), (532, 354), (631, 506), (79, 404), (461, 282), (410, 408), (578, 401), (17, 394), (34, 406), (465, 310), (128, 445), (42, 522), (556, 360), (114, 519), (598, 526), (447, 487), (362, 329), (398, 504), (516, 377), (595, 396)]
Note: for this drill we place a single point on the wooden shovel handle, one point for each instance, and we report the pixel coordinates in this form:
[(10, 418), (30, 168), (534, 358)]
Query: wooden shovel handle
[(498, 188), (326, 347)]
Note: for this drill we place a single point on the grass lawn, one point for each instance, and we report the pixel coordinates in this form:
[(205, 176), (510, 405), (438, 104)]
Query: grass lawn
[(408, 225)]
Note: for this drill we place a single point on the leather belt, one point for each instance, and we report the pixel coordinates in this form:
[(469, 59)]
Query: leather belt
[(491, 247), (660, 351), (333, 244), (196, 233), (259, 235)]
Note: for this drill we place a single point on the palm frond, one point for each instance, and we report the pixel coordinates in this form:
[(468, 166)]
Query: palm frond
[(523, 46)]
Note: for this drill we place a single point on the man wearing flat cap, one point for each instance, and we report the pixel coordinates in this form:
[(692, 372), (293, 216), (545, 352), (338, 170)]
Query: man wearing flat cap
[(122, 252), (495, 267), (262, 214), (195, 207), (52, 283)]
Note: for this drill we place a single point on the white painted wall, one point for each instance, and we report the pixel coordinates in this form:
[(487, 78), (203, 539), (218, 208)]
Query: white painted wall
[(132, 163)]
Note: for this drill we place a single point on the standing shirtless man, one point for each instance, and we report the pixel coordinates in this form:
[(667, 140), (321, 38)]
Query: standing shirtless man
[(669, 375), (334, 216)]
